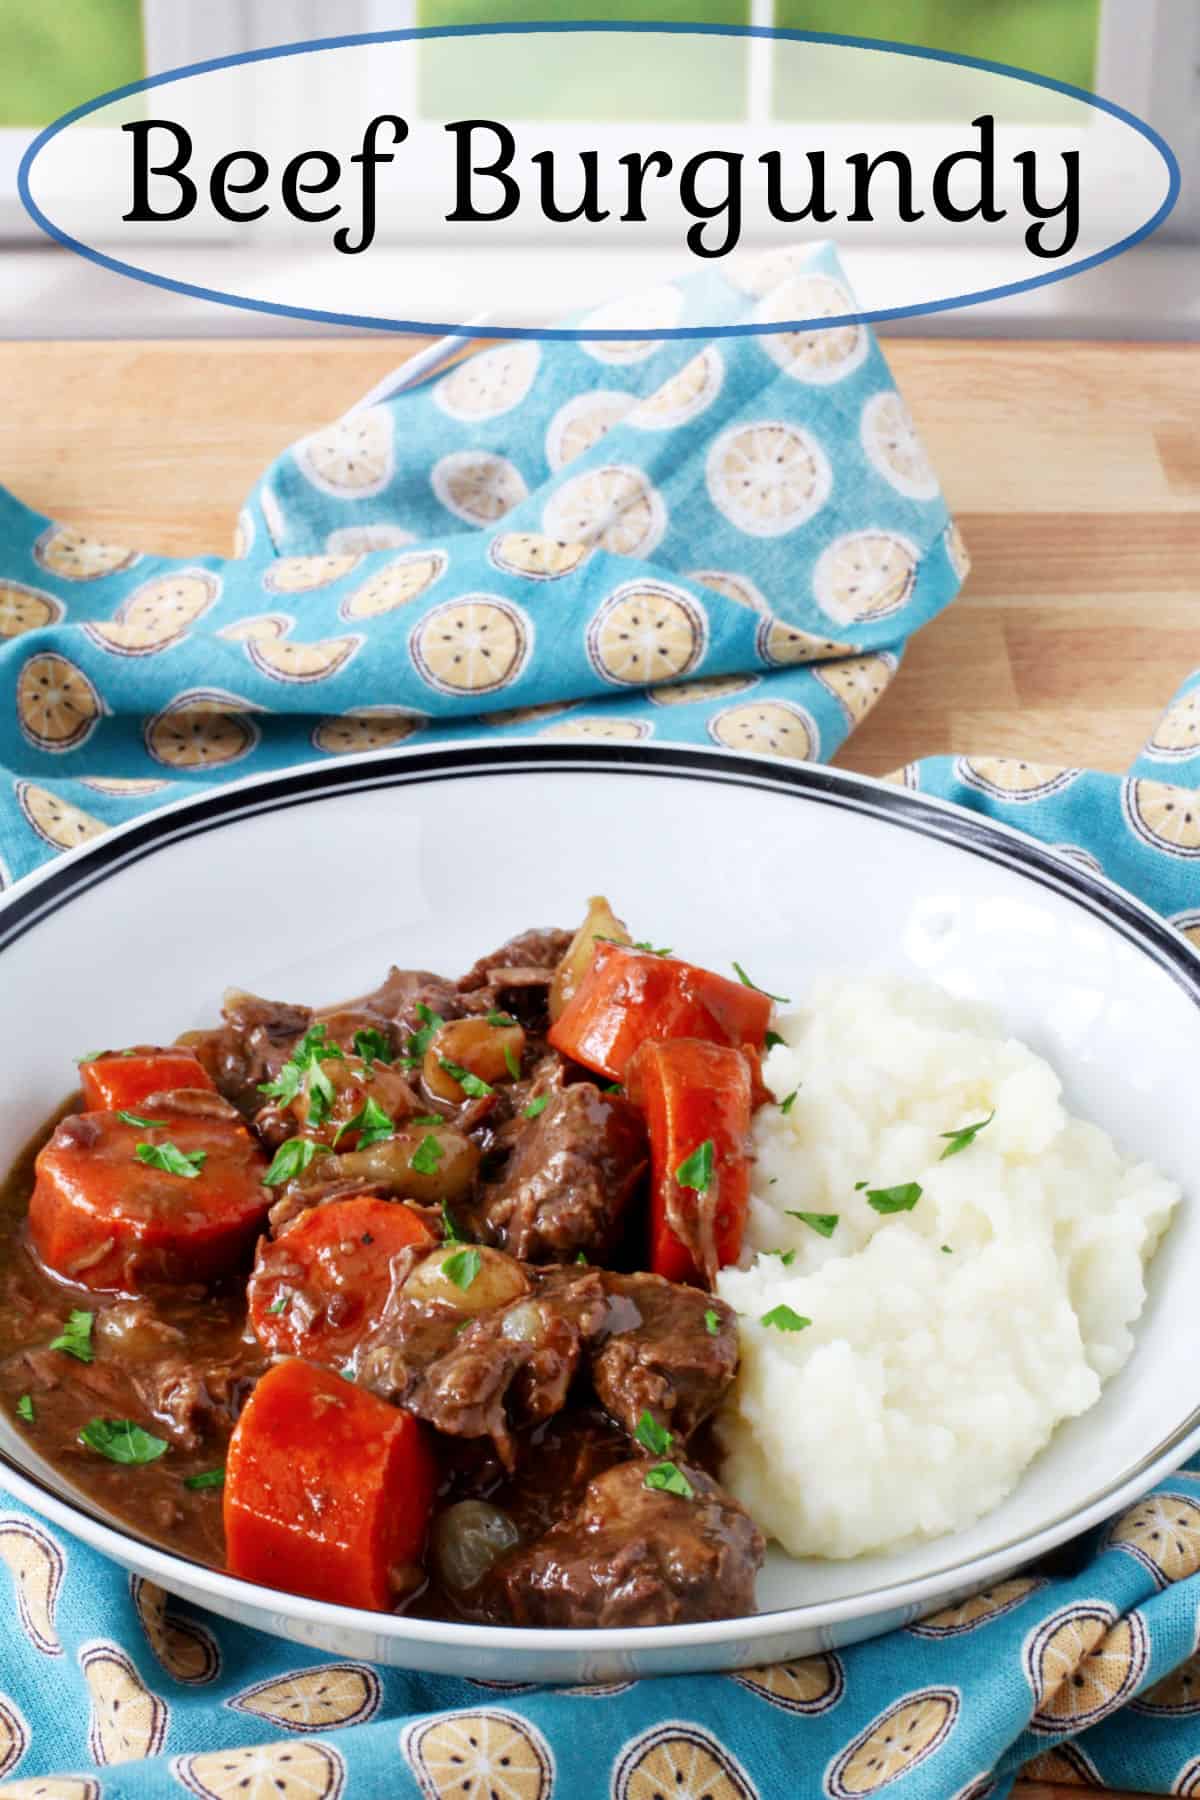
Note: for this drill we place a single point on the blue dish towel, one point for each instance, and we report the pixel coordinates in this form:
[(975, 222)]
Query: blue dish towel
[(758, 521)]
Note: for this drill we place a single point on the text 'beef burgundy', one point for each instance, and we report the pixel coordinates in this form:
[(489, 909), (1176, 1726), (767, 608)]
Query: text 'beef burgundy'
[(404, 1303)]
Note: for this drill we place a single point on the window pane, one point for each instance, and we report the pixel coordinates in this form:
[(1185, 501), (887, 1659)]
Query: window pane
[(54, 54), (600, 78), (1052, 37)]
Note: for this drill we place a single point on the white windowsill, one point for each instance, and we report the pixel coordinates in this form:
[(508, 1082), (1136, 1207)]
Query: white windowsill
[(1151, 292)]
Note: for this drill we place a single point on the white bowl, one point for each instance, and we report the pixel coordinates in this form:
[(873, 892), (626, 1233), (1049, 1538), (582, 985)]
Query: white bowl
[(307, 885)]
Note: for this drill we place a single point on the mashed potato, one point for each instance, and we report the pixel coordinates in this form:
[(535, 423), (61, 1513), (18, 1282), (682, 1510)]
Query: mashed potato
[(946, 1342)]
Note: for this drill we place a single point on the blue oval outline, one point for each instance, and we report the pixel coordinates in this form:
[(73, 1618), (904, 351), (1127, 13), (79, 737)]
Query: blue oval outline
[(428, 328)]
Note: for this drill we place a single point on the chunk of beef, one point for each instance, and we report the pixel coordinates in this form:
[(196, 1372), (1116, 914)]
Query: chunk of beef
[(659, 1355), (569, 1181), (251, 1045), (393, 1006), (531, 957), (633, 1555)]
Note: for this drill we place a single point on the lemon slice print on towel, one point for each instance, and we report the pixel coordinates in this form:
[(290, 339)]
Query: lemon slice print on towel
[(682, 1762), (602, 731), (738, 588), (768, 728), (354, 540), (758, 271), (1189, 924), (583, 421), (14, 1736), (818, 355), (352, 458), (489, 383), (157, 614), (906, 1735), (646, 632), (684, 396), (655, 310), (302, 574), (476, 486), (1082, 1663), (977, 1609), (259, 625), (307, 1770), (783, 645), (314, 1699), (811, 1684), (540, 558), (186, 1649), (956, 550), (37, 1567), (1064, 1763), (1163, 1532), (56, 820), (26, 609), (865, 575), (128, 1721), (124, 787), (203, 728), (909, 776), (1167, 818), (858, 682), (479, 1756), (1177, 734), (768, 478), (473, 645), (51, 1787), (57, 706), (366, 728), (614, 508), (1012, 778), (893, 448), (398, 583), (597, 1690), (64, 551), (266, 646), (529, 715), (714, 687)]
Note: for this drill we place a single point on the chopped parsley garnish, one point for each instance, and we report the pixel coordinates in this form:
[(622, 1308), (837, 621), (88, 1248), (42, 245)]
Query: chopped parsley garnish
[(427, 1155), (696, 1170), (500, 1018), (860, 1185), (450, 1230), (208, 1478), (511, 1063), (785, 1106), (76, 1336), (280, 1303), (771, 1040), (122, 1441), (171, 1159), (652, 1436), (462, 1268), (372, 1124), (649, 948), (786, 1257), (129, 1118), (746, 982), (372, 1046), (581, 1257), (536, 1106), (88, 1056), (946, 1250), (470, 1084), (427, 1119), (613, 1087), (965, 1135), (712, 1323), (825, 1224), (431, 1022), (291, 1159), (895, 1199), (303, 1069), (25, 1408), (669, 1478), (784, 1319)]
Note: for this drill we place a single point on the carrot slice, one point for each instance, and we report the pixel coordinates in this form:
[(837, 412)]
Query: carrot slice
[(695, 1094), (328, 1490), (315, 1290), (628, 997), (102, 1217), (120, 1080)]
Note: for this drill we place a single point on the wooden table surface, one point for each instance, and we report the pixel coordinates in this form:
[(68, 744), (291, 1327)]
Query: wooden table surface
[(1074, 471)]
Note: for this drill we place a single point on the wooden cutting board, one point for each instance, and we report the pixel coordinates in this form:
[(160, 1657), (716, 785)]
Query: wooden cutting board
[(1073, 469)]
